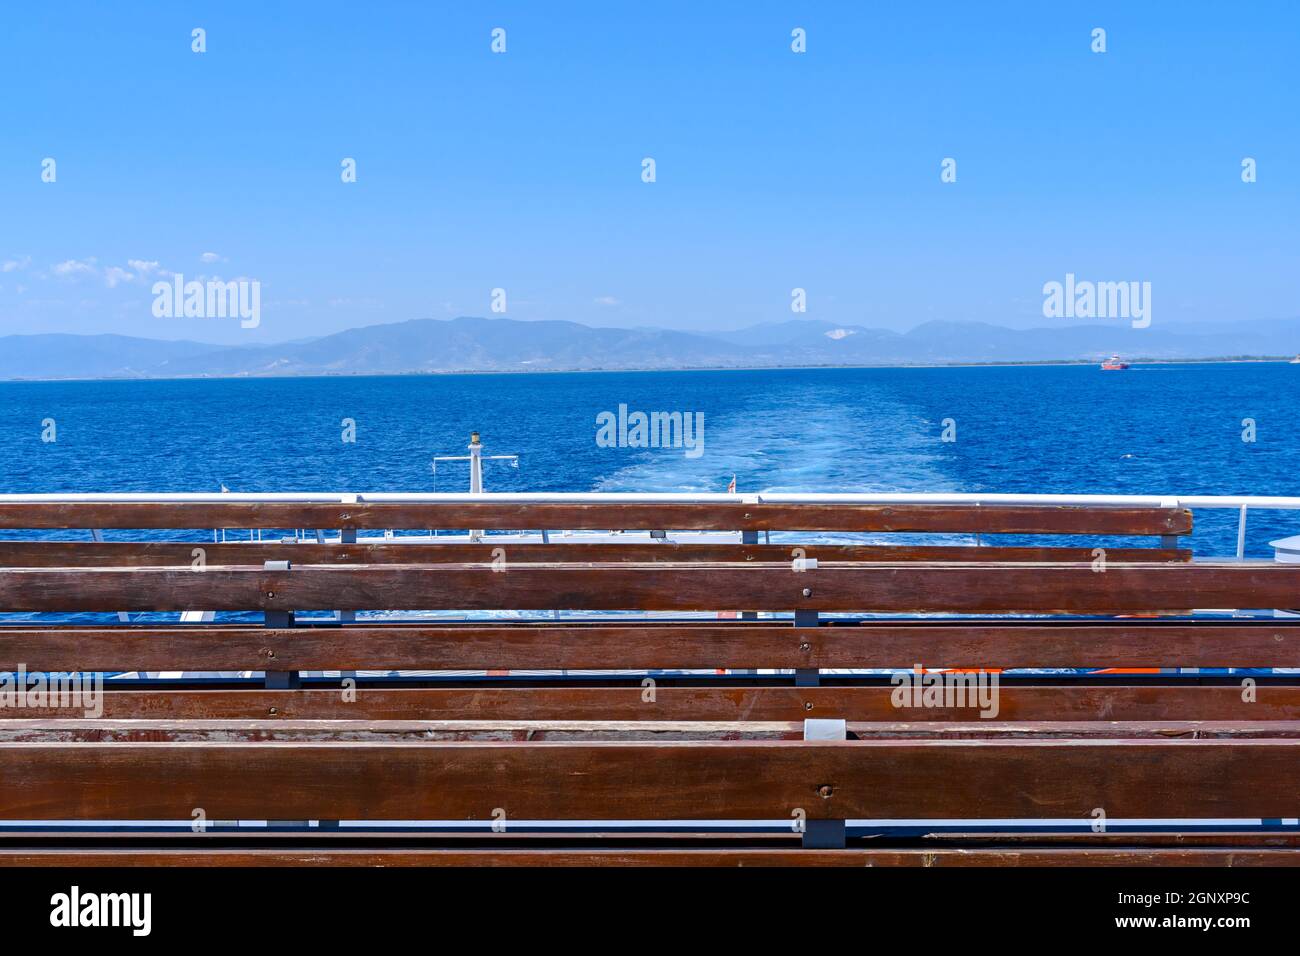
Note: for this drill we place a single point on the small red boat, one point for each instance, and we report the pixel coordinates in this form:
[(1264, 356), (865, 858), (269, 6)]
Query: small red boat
[(1113, 364)]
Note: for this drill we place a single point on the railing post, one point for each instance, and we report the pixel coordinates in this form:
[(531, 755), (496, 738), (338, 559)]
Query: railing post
[(807, 676), (1169, 540), (1241, 535), (749, 537), (97, 534), (347, 536), (825, 834), (279, 680)]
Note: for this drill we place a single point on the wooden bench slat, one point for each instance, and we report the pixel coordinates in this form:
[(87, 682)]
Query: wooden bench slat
[(1081, 701), (105, 730), (758, 780), (677, 516), (1128, 836), (900, 588), (989, 645), (59, 554)]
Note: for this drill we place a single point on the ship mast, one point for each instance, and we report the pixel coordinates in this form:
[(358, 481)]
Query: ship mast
[(475, 459)]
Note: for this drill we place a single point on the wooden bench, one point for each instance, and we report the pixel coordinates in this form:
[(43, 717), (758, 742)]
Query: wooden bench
[(774, 760)]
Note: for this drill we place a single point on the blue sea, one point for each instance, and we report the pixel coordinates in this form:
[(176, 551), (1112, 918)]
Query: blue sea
[(1159, 429)]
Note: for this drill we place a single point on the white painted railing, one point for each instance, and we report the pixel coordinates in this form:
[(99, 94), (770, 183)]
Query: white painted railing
[(1261, 502), (1204, 501)]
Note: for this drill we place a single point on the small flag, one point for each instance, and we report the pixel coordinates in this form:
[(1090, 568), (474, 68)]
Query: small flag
[(731, 488)]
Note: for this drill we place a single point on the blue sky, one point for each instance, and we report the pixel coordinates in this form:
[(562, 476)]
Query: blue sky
[(522, 170)]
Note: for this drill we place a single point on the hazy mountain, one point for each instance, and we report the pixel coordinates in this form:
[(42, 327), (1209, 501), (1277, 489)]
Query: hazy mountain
[(92, 356), (468, 344), (827, 343), (475, 344)]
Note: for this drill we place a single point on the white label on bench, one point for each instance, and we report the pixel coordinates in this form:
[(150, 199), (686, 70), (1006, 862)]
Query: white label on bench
[(820, 728)]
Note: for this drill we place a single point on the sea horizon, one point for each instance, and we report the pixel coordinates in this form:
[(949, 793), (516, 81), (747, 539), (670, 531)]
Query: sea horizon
[(1133, 362)]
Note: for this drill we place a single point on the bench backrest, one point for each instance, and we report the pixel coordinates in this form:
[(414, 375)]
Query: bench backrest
[(706, 748)]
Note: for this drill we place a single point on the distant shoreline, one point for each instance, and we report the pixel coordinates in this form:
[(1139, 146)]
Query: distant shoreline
[(1220, 360)]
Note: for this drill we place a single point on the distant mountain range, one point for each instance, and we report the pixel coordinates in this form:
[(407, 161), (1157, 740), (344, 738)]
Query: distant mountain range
[(506, 345)]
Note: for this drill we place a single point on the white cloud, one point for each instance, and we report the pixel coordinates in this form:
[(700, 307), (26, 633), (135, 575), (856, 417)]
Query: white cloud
[(73, 268), (211, 257), (607, 300), (13, 265), (115, 274), (145, 266)]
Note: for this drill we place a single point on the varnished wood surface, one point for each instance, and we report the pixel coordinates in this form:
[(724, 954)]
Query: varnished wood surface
[(893, 588), (704, 644), (1082, 701), (865, 779), (108, 554), (102, 730), (677, 516)]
